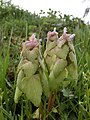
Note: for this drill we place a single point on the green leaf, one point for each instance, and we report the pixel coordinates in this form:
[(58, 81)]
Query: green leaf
[(66, 83), (71, 46), (44, 78), (42, 63), (72, 71), (50, 61), (88, 59), (54, 110), (32, 88), (56, 82), (8, 115), (52, 83), (30, 55), (66, 92), (17, 91), (36, 114), (50, 45), (53, 59), (17, 95), (61, 77), (51, 52), (29, 68), (59, 66), (20, 77), (45, 84), (62, 52), (72, 57)]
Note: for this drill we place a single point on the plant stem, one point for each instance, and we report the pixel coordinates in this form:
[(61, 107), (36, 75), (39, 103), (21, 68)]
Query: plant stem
[(50, 102), (41, 111)]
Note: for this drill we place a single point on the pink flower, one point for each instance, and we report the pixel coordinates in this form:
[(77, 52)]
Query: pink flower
[(53, 34), (31, 43), (65, 37)]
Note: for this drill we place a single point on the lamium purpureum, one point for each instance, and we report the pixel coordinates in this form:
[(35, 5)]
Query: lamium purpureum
[(60, 59), (57, 68), (28, 79)]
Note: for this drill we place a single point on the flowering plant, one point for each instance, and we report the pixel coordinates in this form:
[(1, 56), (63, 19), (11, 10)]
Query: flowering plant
[(57, 68)]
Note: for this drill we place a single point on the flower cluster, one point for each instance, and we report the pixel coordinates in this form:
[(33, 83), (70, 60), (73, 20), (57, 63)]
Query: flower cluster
[(37, 75), (60, 58)]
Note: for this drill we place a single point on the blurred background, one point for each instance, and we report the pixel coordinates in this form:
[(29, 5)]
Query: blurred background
[(77, 8), (18, 20)]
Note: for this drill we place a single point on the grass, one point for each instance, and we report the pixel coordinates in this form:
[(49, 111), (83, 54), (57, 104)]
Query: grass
[(4, 62), (79, 105), (76, 107)]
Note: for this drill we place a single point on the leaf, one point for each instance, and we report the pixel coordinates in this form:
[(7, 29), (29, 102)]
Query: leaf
[(50, 61), (30, 55), (71, 46), (17, 95), (42, 63), (51, 52), (72, 57), (59, 66), (62, 52), (33, 54), (56, 82), (36, 114), (20, 77), (32, 88), (61, 77), (53, 59), (19, 65), (54, 110), (45, 84), (29, 68), (61, 42), (66, 83), (50, 45), (88, 59), (52, 83), (72, 71), (44, 79), (66, 92)]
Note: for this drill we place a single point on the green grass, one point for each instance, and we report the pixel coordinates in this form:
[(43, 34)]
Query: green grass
[(76, 107), (4, 63)]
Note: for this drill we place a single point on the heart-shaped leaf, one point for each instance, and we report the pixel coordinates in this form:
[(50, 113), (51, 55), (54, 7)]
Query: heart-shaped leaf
[(50, 45), (32, 88), (29, 68), (30, 55), (59, 66), (62, 52)]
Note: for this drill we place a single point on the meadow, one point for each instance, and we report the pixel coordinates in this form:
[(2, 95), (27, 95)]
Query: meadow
[(16, 26)]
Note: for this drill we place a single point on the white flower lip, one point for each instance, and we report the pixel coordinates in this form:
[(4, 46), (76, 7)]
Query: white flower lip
[(55, 29), (65, 30), (72, 36)]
